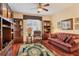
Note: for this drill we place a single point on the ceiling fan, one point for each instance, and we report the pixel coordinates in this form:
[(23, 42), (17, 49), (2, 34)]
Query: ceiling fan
[(41, 7)]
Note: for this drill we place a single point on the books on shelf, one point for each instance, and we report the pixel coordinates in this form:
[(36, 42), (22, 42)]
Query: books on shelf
[(47, 26), (6, 26)]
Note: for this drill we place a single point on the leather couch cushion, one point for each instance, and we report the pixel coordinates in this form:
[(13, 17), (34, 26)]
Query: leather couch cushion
[(53, 36), (60, 42), (61, 36)]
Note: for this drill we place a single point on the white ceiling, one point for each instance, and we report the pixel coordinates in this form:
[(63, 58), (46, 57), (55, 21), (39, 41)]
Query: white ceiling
[(31, 8)]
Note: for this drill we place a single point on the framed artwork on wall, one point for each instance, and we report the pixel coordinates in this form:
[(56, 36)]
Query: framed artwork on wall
[(76, 26), (76, 20), (67, 24), (76, 23)]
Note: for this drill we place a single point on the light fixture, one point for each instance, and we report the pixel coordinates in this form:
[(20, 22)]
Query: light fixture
[(40, 9)]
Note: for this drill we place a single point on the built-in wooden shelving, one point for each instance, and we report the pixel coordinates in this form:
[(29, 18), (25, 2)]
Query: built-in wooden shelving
[(6, 29), (47, 26), (18, 25), (6, 34)]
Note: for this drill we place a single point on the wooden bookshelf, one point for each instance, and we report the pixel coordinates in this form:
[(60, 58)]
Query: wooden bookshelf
[(5, 10), (47, 26), (18, 31), (6, 29), (5, 35)]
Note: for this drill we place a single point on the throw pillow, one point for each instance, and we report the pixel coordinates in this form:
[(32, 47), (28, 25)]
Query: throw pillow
[(67, 39)]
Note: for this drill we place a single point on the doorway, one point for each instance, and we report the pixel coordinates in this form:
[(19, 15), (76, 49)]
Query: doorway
[(33, 29)]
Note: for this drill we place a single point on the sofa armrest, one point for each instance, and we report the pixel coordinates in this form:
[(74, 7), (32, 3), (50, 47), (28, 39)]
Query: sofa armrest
[(76, 41)]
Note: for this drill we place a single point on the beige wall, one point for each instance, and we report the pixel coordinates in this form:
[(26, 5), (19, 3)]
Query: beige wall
[(24, 29), (71, 12), (17, 15), (46, 18)]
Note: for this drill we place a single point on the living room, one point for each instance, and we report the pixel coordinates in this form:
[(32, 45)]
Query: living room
[(50, 29)]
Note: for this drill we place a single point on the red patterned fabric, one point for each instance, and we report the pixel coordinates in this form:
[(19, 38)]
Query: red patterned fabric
[(68, 39), (63, 35), (65, 43)]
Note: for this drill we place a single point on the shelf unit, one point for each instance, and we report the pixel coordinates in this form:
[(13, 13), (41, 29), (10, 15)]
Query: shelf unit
[(6, 35), (6, 29), (5, 10), (18, 31), (47, 26)]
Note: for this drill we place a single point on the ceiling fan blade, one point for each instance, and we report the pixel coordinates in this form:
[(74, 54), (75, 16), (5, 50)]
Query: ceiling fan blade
[(40, 4), (45, 9), (46, 5)]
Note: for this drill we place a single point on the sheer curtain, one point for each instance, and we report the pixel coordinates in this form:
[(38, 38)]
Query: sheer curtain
[(36, 25)]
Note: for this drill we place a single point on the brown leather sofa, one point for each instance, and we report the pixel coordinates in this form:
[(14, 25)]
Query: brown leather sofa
[(64, 41)]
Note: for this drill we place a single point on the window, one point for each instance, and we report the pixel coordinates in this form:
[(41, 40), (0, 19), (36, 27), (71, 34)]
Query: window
[(36, 25)]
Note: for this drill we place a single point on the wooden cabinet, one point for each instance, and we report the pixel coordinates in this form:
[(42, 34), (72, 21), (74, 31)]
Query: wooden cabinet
[(18, 31), (47, 26), (46, 29), (5, 10), (5, 35), (6, 30), (45, 36)]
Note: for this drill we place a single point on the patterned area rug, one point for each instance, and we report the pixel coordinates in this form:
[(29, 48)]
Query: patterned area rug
[(35, 49)]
